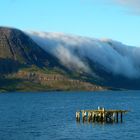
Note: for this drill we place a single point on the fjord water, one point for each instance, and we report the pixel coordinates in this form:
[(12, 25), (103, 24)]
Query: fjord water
[(51, 116)]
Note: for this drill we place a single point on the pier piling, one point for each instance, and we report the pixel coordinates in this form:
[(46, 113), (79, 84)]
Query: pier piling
[(117, 116), (121, 117), (101, 115)]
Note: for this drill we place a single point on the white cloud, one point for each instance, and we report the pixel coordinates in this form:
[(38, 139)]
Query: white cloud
[(133, 4), (72, 51)]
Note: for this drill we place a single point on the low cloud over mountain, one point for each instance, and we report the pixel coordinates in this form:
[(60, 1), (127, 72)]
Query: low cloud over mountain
[(74, 51)]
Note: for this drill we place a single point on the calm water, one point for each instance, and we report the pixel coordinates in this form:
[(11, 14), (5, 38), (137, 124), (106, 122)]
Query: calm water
[(51, 116)]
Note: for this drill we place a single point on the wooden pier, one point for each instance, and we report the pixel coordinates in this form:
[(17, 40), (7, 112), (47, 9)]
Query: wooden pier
[(101, 115)]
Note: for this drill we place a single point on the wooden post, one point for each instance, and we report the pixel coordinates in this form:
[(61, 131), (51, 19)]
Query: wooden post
[(121, 117), (106, 119), (93, 116), (101, 117), (103, 114), (89, 116), (117, 117), (84, 115), (110, 117), (114, 117), (78, 116)]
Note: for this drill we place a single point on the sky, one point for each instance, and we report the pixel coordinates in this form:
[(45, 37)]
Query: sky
[(115, 19)]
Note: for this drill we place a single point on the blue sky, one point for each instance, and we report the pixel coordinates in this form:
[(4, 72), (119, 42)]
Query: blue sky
[(115, 19)]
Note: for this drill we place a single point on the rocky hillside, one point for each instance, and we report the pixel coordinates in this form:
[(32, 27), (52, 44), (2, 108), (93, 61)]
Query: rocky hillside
[(39, 61), (18, 50), (25, 66)]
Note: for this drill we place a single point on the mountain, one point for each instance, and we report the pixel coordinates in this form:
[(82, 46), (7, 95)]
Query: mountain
[(25, 66), (19, 50), (102, 61), (41, 61)]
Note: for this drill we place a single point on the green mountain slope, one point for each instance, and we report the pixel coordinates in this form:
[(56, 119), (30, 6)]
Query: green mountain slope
[(24, 66)]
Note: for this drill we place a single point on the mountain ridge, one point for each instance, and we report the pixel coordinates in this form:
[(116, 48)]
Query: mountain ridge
[(25, 66), (48, 61)]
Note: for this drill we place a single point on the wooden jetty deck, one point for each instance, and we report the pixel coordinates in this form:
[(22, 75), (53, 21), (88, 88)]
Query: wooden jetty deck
[(100, 115)]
